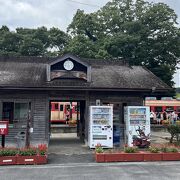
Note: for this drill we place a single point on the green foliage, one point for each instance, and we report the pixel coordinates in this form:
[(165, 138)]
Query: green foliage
[(165, 149), (174, 130), (28, 151), (173, 149), (128, 149), (8, 152), (99, 149), (154, 149), (32, 42)]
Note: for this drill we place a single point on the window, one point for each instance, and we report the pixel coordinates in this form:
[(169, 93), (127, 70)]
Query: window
[(56, 106), (68, 107), (150, 98), (169, 108), (15, 112), (61, 107), (178, 109), (8, 112), (158, 109)]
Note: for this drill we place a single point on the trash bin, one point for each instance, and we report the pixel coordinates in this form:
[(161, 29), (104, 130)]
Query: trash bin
[(20, 138)]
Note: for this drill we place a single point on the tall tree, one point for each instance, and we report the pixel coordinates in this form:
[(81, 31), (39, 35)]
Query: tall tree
[(32, 42), (140, 32)]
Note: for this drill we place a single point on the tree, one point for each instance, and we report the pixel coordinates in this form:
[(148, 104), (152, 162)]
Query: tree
[(140, 32), (32, 42)]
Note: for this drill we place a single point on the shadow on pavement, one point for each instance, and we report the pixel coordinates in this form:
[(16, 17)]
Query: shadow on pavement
[(68, 148)]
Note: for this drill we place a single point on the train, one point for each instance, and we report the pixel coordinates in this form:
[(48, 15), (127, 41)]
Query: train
[(163, 105), (64, 112)]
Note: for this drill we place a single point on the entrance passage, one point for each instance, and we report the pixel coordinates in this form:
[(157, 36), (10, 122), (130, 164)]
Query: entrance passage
[(68, 148), (67, 117), (67, 126)]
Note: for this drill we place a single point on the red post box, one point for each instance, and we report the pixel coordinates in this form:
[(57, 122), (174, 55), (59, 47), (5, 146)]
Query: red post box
[(4, 127)]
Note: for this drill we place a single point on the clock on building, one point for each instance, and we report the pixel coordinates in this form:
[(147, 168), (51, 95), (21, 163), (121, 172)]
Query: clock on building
[(68, 65)]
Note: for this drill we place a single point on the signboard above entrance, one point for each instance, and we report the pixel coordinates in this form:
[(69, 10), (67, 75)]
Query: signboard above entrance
[(4, 127)]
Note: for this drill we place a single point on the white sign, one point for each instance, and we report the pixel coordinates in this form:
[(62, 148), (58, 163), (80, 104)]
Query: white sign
[(3, 126)]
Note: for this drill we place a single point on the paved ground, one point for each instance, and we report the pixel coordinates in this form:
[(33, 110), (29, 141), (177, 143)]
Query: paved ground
[(67, 148), (94, 171)]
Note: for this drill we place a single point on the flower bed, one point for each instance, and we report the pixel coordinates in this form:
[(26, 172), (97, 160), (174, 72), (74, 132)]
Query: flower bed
[(131, 154), (32, 155)]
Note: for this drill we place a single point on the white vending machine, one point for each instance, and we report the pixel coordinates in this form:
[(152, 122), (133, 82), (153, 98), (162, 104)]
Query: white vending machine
[(137, 126), (101, 126)]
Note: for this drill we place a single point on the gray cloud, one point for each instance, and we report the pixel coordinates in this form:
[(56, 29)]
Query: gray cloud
[(57, 13)]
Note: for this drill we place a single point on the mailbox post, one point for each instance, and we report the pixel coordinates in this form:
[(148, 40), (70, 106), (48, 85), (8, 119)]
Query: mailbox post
[(3, 131)]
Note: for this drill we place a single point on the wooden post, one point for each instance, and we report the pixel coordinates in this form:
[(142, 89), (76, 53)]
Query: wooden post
[(3, 141)]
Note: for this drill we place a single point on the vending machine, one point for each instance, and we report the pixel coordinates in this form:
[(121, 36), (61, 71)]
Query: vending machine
[(101, 126), (137, 126)]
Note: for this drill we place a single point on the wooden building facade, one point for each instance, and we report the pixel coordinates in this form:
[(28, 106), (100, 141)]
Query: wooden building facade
[(29, 84)]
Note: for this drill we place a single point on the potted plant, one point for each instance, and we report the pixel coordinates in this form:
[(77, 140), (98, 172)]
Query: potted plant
[(8, 156), (170, 153), (132, 154), (42, 154), (99, 155), (27, 156)]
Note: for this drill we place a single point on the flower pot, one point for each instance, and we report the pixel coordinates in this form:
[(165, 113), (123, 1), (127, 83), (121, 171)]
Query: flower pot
[(99, 157), (133, 157), (7, 160), (41, 159), (170, 156), (27, 159), (114, 157)]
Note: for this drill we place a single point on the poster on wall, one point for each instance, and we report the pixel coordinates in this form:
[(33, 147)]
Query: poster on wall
[(101, 126), (137, 126)]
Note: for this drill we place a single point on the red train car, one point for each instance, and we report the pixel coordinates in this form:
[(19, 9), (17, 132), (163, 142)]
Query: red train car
[(64, 112), (163, 105)]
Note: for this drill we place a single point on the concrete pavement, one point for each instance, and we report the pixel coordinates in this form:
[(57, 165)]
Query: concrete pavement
[(94, 171)]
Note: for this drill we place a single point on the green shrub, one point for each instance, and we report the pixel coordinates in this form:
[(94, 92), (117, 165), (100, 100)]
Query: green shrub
[(154, 149), (128, 149), (27, 151), (99, 149), (174, 130), (173, 149), (165, 149), (8, 152)]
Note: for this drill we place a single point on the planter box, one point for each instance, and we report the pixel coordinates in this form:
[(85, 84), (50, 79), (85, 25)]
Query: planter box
[(133, 157), (170, 156), (41, 159), (156, 156), (114, 157), (147, 156), (136, 157), (8, 160), (27, 159), (99, 157)]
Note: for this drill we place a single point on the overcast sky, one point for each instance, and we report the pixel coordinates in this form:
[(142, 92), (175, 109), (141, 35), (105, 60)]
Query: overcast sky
[(49, 13)]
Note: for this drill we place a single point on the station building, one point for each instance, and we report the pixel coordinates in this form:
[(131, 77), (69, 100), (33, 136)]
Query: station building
[(28, 85)]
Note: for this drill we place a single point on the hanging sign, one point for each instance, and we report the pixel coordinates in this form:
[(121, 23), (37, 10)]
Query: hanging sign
[(4, 127)]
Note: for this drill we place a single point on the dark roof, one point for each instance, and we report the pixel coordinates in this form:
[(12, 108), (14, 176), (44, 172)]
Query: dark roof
[(20, 72)]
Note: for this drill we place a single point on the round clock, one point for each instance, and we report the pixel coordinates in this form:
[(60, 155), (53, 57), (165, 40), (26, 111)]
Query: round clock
[(68, 65)]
